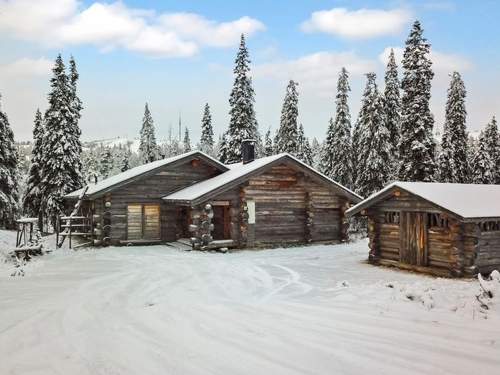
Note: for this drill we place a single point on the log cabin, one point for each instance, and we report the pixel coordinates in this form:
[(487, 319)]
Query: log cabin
[(443, 229), (271, 201)]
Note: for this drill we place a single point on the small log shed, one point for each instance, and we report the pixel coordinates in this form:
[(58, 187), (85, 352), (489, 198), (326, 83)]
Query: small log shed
[(443, 229)]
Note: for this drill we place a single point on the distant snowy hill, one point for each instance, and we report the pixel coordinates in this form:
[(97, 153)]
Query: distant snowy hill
[(115, 142)]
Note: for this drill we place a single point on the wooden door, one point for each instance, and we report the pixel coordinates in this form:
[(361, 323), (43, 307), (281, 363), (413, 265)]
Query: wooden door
[(134, 221), (413, 235), (222, 223), (151, 224), (143, 222), (183, 220)]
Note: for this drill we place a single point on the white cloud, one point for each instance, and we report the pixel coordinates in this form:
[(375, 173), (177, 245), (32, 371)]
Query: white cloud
[(209, 32), (441, 62), (25, 68), (115, 25), (318, 71), (362, 23)]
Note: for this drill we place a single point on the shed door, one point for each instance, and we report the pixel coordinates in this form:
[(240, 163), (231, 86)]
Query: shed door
[(413, 235)]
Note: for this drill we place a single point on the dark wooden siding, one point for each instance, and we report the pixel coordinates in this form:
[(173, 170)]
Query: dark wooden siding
[(488, 257), (284, 200), (150, 190)]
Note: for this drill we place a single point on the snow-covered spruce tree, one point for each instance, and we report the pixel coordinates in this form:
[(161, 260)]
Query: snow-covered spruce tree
[(482, 166), (259, 145), (472, 146), (268, 144), (207, 132), (452, 159), (106, 165), (76, 108), (9, 196), (304, 152), (91, 167), (445, 158), (392, 104), (186, 144), (354, 148), (337, 151), (417, 145), (316, 153), (286, 137), (61, 153), (242, 123), (125, 163), (358, 131), (491, 137), (222, 151), (32, 197), (148, 149), (374, 159)]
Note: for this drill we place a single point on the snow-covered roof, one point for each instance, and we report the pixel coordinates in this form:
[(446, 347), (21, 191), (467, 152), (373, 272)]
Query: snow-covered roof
[(468, 201), (240, 170), (140, 170)]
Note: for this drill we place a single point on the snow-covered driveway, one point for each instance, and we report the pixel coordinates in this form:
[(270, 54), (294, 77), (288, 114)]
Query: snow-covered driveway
[(313, 310)]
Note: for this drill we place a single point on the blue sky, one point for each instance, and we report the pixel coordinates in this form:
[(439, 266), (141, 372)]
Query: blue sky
[(177, 55)]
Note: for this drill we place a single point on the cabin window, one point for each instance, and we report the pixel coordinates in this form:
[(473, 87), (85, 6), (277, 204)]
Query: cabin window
[(489, 226), (391, 217), (437, 221)]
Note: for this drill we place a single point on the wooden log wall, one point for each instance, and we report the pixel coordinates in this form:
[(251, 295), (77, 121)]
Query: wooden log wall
[(150, 190), (488, 256), (471, 235), (292, 208), (384, 240)]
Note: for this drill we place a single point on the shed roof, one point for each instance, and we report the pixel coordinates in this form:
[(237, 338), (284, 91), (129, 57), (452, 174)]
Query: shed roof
[(237, 173), (467, 201), (133, 173)]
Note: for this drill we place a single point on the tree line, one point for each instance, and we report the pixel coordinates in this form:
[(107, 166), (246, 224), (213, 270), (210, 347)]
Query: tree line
[(391, 139)]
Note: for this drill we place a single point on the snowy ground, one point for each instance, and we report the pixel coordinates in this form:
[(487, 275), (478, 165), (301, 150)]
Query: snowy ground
[(313, 310)]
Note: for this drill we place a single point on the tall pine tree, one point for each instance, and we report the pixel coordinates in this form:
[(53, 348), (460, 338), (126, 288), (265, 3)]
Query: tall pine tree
[(268, 144), (125, 162), (492, 147), (187, 141), (417, 145), (207, 132), (452, 160), (61, 164), (106, 165), (286, 137), (374, 158), (337, 157), (148, 149), (9, 196), (392, 104), (242, 123), (482, 166), (32, 197), (304, 152), (76, 108)]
